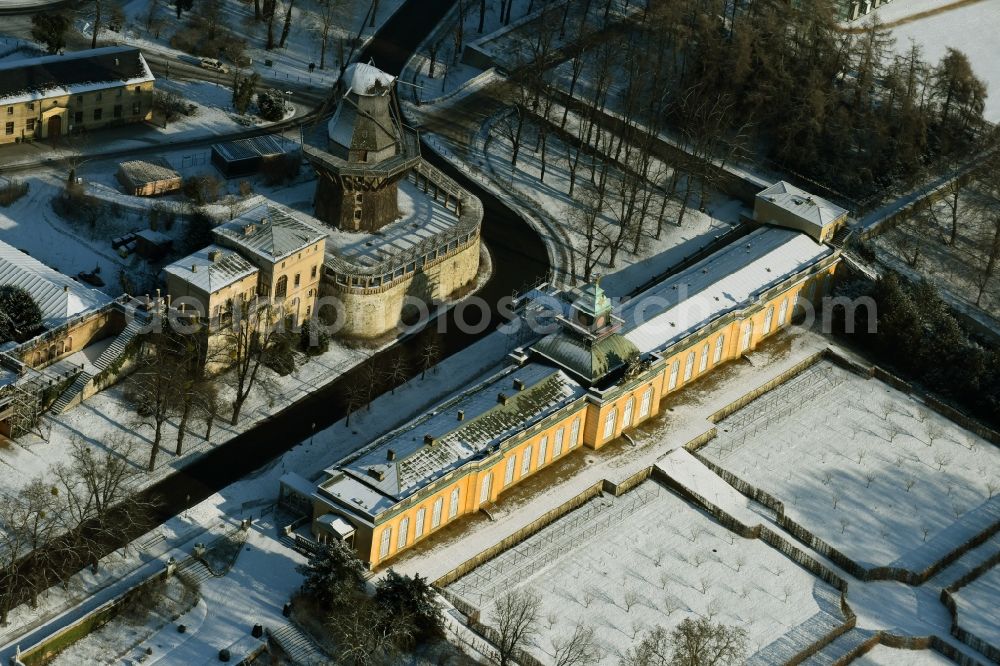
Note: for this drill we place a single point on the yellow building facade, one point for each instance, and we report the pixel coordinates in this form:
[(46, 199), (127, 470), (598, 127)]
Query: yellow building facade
[(51, 96), (600, 376)]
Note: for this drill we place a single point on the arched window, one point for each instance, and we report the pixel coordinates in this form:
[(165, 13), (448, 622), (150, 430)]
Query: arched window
[(767, 320), (383, 548), (418, 529), (720, 345), (281, 287), (557, 449), (543, 451), (487, 487), (689, 366), (526, 460), (404, 533), (508, 475), (647, 401), (436, 512), (627, 414), (453, 504), (574, 433), (609, 422), (747, 336), (703, 364), (674, 369)]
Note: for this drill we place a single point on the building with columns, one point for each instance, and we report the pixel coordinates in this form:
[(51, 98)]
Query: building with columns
[(600, 374)]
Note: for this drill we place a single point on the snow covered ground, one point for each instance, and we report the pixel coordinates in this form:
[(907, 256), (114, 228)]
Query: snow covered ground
[(626, 565), (977, 607), (880, 655), (971, 28), (869, 470)]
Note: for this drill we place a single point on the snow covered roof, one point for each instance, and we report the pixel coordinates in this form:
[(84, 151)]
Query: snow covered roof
[(149, 170), (409, 458), (363, 79), (809, 207), (589, 358), (211, 268), (58, 296), (72, 73), (270, 231), (265, 145), (726, 280)]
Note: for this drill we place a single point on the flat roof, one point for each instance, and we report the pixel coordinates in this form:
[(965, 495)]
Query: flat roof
[(487, 422), (724, 281), (265, 145), (210, 275), (811, 208), (270, 231), (78, 72), (421, 220)]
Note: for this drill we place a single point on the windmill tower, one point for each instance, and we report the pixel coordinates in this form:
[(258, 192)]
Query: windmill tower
[(367, 152)]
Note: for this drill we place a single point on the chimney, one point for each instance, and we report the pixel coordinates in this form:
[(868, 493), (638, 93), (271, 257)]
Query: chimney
[(65, 288), (377, 474), (248, 229), (518, 385), (194, 268), (502, 398), (390, 455), (461, 415), (214, 256), (429, 440)]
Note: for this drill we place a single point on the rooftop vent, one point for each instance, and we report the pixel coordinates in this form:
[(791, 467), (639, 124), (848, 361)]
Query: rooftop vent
[(429, 439), (376, 473), (502, 398), (461, 415), (390, 455), (249, 228), (518, 385), (194, 268), (214, 256)]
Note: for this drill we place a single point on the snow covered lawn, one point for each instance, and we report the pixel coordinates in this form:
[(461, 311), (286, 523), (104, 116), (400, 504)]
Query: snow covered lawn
[(977, 605), (625, 565), (881, 655), (866, 468), (971, 28)]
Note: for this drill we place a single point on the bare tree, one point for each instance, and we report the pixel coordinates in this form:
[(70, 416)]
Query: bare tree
[(577, 649), (692, 643), (152, 390), (397, 372), (246, 341), (516, 616), (322, 24)]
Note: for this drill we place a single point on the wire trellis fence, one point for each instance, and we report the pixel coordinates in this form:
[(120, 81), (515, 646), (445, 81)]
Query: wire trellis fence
[(483, 584)]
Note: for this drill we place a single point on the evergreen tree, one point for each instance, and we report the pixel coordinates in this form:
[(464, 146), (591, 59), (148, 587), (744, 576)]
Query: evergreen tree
[(334, 577), (50, 28), (405, 597), (20, 316)]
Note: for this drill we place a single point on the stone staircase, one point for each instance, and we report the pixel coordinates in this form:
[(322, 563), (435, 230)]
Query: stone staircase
[(69, 397), (300, 647), (193, 571)]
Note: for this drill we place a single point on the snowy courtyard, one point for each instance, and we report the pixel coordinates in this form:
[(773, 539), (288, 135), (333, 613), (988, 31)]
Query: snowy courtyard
[(626, 565), (977, 606), (866, 468)]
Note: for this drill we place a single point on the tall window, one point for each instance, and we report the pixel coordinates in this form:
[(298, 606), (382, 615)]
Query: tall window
[(574, 433), (647, 402), (383, 548), (674, 369), (747, 336), (281, 287), (767, 320), (297, 280), (418, 529), (558, 448), (98, 113), (689, 366), (453, 504), (526, 460), (720, 344), (704, 358), (508, 475), (436, 512), (783, 312), (312, 271), (627, 414), (487, 487), (543, 450), (609, 422), (404, 532)]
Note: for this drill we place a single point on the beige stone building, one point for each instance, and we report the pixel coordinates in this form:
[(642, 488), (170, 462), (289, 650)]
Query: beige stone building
[(287, 251), (214, 279), (50, 96), (785, 205)]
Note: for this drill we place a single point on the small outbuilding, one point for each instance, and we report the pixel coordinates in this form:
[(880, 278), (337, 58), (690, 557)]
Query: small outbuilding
[(148, 177), (244, 157), (152, 245)]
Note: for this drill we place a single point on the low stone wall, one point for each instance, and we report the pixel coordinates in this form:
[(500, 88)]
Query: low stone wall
[(947, 598), (747, 398)]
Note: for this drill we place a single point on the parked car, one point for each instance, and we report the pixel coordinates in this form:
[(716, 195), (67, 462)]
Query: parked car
[(215, 65)]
